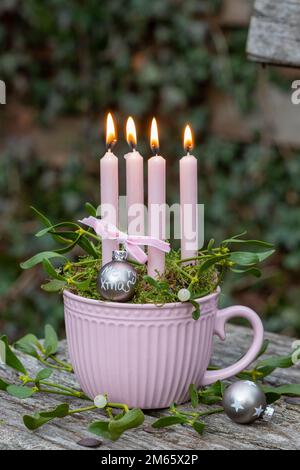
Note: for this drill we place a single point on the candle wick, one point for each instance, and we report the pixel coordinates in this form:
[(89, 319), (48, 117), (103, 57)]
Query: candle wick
[(155, 151), (110, 145), (132, 145)]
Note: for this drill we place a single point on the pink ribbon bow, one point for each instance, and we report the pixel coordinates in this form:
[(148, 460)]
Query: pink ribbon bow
[(131, 242)]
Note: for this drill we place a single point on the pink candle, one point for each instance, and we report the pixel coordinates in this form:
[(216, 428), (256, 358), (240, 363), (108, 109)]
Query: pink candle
[(134, 184), (156, 204), (188, 199), (109, 189)]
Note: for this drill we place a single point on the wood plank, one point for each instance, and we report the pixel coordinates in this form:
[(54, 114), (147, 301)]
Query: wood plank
[(221, 433), (274, 35)]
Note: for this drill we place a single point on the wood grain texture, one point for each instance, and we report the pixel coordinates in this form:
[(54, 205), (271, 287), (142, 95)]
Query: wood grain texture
[(274, 34), (221, 433)]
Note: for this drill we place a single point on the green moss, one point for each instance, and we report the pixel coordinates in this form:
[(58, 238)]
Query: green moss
[(176, 277)]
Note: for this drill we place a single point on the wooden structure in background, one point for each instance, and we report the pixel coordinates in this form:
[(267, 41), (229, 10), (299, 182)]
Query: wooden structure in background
[(274, 34)]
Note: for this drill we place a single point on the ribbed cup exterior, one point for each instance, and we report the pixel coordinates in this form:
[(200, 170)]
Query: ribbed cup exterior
[(143, 355)]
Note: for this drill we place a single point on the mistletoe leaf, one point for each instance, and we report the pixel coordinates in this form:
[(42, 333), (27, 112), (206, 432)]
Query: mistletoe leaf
[(210, 399), (54, 285), (235, 237), (267, 366), (211, 262), (43, 374), (153, 282), (244, 258), (249, 258), (59, 237), (82, 285), (82, 241), (50, 269), (212, 394), (43, 417), (91, 210), (254, 271), (199, 426), (51, 341), (41, 216), (253, 243), (274, 393), (210, 244), (3, 385), (169, 421), (19, 391), (60, 411), (217, 388), (132, 419), (281, 362), (34, 422), (196, 311), (194, 395), (100, 428), (70, 246), (39, 258), (11, 359), (27, 345), (264, 348), (52, 228), (88, 247), (264, 255)]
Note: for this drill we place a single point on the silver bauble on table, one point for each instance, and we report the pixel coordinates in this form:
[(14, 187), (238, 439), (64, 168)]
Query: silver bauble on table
[(117, 279), (244, 402)]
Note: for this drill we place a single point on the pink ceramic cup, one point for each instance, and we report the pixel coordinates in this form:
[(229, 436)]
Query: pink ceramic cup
[(146, 355)]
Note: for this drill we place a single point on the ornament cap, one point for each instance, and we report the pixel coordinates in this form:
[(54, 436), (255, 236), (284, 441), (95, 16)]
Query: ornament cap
[(119, 255)]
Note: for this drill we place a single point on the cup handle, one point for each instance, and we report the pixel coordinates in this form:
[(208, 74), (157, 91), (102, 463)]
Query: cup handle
[(258, 335)]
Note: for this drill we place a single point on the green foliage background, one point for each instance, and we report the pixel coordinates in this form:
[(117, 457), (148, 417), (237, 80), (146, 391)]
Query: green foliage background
[(162, 58)]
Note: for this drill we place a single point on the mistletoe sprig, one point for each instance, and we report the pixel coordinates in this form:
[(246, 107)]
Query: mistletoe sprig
[(119, 418), (213, 394), (200, 278)]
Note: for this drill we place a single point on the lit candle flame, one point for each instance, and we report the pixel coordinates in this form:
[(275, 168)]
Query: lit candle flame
[(154, 142), (188, 139), (111, 138), (131, 133)]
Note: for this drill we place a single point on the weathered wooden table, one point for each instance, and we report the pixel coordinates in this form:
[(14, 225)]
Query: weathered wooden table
[(283, 432)]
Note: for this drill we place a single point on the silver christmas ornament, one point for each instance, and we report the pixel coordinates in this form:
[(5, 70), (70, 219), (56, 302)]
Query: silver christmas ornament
[(117, 279), (244, 402)]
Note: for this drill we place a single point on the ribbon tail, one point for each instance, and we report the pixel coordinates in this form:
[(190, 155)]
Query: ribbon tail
[(136, 252), (93, 223), (101, 228)]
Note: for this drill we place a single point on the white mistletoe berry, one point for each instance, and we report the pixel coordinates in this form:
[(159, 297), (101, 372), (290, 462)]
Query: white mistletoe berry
[(100, 401), (184, 295)]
